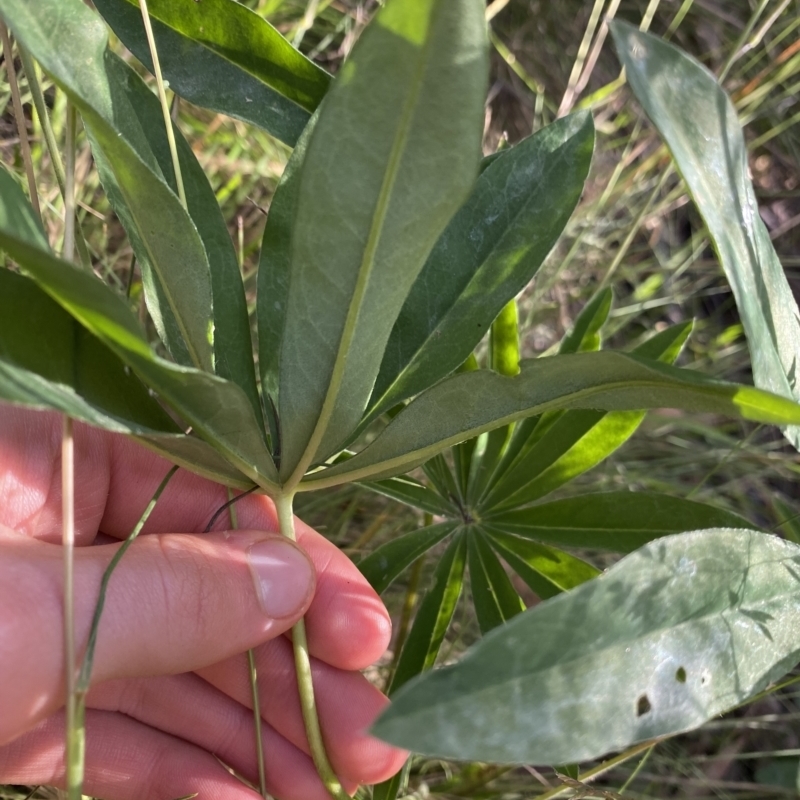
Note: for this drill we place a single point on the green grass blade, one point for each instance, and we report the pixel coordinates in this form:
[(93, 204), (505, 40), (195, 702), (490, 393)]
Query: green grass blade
[(467, 404), (515, 214), (393, 154), (220, 55), (547, 570), (434, 615), (699, 125), (70, 42), (673, 635), (495, 599), (383, 565), (618, 521)]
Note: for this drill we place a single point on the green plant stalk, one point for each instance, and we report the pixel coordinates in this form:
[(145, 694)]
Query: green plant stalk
[(162, 96), (29, 66), (75, 742), (19, 118), (305, 684)]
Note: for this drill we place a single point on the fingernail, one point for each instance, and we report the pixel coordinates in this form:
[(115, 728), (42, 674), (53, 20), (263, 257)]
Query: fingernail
[(283, 577)]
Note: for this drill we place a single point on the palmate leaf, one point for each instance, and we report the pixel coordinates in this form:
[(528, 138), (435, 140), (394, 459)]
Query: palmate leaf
[(547, 570), (699, 125), (70, 42), (219, 54), (465, 405), (218, 410), (434, 615), (393, 154), (680, 631), (618, 521), (233, 357), (490, 250)]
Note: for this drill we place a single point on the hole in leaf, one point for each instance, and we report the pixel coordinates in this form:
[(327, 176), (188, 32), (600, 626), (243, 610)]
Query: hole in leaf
[(643, 706), (680, 675)]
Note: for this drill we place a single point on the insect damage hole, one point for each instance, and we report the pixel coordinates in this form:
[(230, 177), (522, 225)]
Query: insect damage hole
[(643, 706), (680, 675)]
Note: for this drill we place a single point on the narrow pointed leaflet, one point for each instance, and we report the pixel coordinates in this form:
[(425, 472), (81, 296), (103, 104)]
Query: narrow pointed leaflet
[(699, 125)]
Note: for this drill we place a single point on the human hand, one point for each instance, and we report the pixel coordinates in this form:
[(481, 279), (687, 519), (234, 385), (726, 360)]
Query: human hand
[(171, 691)]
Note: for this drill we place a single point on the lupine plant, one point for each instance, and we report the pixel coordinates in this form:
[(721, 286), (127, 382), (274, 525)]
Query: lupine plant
[(390, 250)]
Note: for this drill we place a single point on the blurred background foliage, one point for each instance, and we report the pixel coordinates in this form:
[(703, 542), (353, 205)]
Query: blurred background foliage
[(635, 231)]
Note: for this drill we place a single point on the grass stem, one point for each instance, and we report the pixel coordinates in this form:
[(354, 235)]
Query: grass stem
[(162, 96), (85, 676), (19, 118), (74, 756), (69, 198), (29, 67), (253, 672), (305, 684)]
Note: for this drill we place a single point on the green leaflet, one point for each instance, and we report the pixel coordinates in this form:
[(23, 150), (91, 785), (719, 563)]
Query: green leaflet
[(393, 153), (412, 493), (464, 405), (70, 42), (47, 360), (197, 396), (699, 125), (219, 54), (383, 565), (619, 521), (673, 635), (490, 250), (546, 570), (568, 444), (233, 358), (495, 599), (274, 274), (434, 615)]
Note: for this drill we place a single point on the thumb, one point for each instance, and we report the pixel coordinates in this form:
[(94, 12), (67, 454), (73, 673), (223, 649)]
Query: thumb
[(175, 603)]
